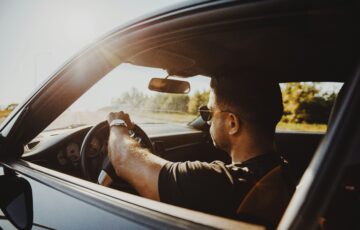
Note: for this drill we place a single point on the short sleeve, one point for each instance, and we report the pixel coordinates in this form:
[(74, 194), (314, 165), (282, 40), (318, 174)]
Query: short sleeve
[(207, 187)]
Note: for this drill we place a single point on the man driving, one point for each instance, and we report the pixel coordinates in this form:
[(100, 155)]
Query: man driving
[(242, 115)]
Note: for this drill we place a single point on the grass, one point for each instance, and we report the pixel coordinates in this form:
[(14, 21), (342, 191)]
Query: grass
[(185, 118), (302, 127)]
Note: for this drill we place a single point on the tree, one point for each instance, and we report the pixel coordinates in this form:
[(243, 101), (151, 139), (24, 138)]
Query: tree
[(133, 98), (304, 103), (177, 103), (168, 103), (163, 102), (199, 98)]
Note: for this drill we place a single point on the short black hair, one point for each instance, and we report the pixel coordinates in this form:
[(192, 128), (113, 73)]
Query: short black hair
[(257, 101)]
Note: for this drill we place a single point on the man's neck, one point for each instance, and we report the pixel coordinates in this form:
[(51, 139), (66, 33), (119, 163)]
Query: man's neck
[(241, 152)]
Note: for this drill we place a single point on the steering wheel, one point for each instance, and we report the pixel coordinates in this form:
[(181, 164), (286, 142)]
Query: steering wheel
[(93, 164)]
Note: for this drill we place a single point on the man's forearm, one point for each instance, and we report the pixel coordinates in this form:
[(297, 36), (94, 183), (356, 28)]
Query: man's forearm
[(137, 165)]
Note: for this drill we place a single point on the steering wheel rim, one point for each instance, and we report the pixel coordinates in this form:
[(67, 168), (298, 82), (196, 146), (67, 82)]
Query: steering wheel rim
[(104, 127)]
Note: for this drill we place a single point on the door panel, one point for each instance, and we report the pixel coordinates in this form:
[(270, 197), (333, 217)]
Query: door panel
[(56, 210), (60, 211)]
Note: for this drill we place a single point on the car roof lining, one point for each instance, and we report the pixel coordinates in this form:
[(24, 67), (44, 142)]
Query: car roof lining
[(316, 46)]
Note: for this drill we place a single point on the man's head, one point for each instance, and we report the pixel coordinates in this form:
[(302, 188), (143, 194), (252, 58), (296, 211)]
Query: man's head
[(243, 107)]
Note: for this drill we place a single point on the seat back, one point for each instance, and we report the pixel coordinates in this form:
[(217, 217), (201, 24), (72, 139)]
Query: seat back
[(268, 198)]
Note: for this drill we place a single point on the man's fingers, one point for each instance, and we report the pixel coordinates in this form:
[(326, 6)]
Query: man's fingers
[(121, 115), (128, 121)]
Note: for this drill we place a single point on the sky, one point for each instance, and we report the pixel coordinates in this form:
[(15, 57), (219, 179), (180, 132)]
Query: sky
[(38, 36)]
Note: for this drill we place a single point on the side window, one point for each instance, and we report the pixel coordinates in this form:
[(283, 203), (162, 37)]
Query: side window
[(307, 105)]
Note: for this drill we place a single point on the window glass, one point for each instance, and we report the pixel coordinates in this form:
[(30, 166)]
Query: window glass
[(307, 105), (126, 88)]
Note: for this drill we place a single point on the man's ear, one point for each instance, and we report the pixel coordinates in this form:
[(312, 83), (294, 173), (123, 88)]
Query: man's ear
[(234, 124)]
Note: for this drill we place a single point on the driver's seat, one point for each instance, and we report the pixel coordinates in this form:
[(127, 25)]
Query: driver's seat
[(267, 199)]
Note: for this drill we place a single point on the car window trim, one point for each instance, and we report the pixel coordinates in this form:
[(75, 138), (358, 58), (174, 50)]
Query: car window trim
[(134, 208)]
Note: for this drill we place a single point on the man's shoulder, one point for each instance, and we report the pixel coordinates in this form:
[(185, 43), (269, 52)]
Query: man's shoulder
[(260, 165)]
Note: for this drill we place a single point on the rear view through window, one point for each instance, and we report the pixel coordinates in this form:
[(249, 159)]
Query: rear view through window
[(307, 105)]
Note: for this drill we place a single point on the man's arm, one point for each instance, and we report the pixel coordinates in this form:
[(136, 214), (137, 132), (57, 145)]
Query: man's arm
[(137, 165)]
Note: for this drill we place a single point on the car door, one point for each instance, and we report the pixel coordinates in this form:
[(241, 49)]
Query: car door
[(56, 210), (65, 202)]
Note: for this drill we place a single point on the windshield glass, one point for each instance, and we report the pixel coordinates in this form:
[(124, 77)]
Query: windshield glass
[(126, 89)]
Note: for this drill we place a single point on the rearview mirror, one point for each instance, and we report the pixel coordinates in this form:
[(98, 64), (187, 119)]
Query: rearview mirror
[(16, 201), (169, 85)]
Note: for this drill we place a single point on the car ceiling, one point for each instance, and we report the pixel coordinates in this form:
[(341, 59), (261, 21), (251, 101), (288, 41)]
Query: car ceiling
[(317, 45)]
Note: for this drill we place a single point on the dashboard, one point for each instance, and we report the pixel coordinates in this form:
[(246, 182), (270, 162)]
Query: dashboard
[(57, 149), (60, 149)]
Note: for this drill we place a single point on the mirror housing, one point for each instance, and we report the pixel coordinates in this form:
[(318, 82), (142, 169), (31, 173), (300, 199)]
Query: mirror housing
[(169, 86), (16, 201)]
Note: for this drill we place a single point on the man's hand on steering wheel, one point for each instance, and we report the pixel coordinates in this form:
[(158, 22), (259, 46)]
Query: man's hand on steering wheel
[(132, 162), (120, 124), (122, 149), (122, 116), (131, 156)]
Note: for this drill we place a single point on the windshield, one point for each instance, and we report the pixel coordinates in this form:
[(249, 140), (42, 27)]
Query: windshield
[(126, 89)]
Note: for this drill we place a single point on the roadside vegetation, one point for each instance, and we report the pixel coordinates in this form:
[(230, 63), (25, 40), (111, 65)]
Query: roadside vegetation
[(6, 111), (301, 127), (306, 107)]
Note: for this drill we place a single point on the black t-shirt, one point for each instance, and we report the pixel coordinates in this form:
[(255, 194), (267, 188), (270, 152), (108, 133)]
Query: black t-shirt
[(213, 187)]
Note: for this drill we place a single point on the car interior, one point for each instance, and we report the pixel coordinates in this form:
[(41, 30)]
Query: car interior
[(299, 49)]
